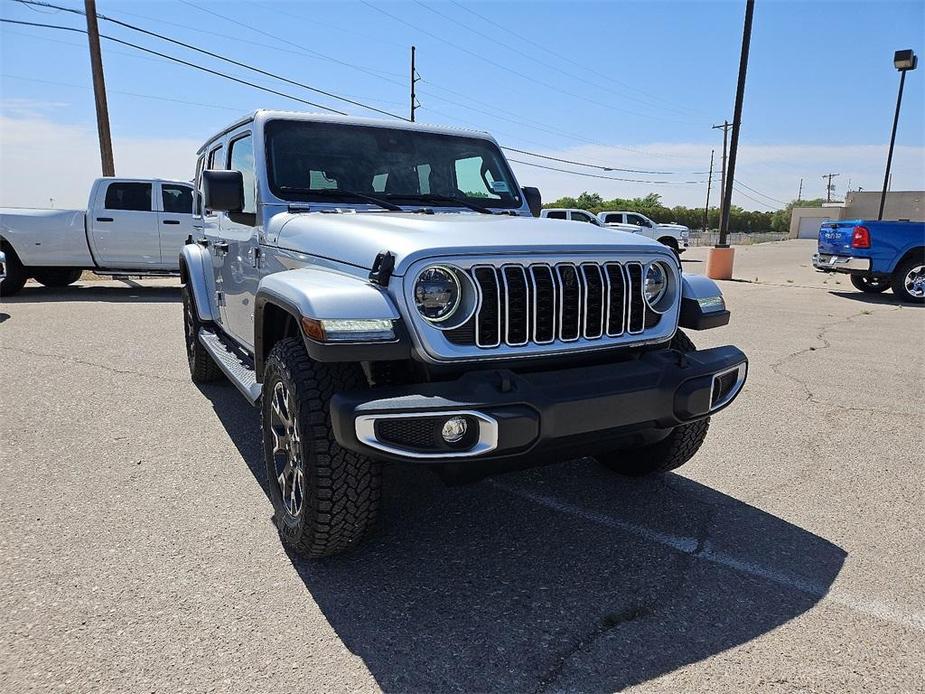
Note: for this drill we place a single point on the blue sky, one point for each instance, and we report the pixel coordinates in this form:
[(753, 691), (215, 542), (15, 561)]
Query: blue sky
[(633, 85)]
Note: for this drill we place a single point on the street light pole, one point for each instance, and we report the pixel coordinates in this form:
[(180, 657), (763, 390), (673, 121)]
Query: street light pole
[(903, 61)]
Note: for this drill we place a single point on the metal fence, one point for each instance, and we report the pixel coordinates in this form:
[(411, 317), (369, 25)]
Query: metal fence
[(736, 238)]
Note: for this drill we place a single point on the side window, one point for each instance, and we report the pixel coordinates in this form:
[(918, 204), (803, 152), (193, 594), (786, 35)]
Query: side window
[(635, 219), (242, 159), (556, 214), (216, 158), (581, 217), (129, 196), (177, 199)]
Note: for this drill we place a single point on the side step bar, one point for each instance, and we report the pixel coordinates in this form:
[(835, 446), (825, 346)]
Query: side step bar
[(238, 372)]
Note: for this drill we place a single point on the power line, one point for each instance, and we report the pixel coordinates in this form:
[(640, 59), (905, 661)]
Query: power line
[(551, 66), (496, 65), (212, 54), (758, 192), (606, 178), (746, 195), (559, 56), (177, 60)]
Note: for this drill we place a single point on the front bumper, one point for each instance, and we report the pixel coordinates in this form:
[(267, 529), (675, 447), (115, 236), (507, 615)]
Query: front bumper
[(840, 263), (572, 412)]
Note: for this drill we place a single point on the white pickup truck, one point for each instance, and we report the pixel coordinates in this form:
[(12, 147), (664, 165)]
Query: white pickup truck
[(130, 226), (675, 236)]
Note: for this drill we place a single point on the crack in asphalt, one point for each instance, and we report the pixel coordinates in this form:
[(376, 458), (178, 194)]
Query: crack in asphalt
[(607, 623), (84, 362)]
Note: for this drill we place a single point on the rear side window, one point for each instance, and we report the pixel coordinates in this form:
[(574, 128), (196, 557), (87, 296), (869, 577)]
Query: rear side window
[(216, 160), (129, 196), (177, 199), (556, 214)]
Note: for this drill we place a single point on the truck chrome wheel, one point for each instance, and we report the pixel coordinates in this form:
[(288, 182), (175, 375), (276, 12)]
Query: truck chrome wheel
[(914, 281), (287, 450)]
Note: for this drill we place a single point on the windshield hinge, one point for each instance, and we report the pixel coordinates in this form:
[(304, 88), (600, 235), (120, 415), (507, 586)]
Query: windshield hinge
[(383, 266)]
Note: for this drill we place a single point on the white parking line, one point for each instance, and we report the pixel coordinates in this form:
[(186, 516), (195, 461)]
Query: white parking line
[(689, 545)]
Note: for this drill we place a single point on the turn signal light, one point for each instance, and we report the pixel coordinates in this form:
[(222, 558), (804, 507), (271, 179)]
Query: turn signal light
[(861, 237)]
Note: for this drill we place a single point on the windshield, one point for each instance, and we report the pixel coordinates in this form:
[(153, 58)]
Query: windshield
[(312, 161)]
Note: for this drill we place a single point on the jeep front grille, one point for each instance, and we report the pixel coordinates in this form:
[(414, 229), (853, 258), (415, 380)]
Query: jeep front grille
[(545, 303)]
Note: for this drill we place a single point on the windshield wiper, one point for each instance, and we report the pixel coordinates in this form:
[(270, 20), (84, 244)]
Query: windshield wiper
[(428, 197), (349, 194)]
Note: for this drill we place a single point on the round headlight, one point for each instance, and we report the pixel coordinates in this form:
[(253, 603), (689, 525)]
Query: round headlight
[(656, 283), (437, 293)]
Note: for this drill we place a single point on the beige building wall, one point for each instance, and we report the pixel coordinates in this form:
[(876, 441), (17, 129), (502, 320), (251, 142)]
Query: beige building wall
[(900, 204)]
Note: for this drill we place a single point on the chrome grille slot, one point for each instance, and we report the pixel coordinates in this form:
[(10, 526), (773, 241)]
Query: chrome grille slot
[(488, 316), (593, 280), (569, 302), (544, 304), (616, 301), (528, 306), (516, 304), (635, 319)]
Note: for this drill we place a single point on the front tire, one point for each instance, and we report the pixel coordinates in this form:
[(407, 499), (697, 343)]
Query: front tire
[(56, 276), (908, 280), (325, 497), (671, 452), (870, 285)]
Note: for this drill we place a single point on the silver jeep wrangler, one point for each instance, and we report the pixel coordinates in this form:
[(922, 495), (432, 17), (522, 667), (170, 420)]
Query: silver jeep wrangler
[(383, 293)]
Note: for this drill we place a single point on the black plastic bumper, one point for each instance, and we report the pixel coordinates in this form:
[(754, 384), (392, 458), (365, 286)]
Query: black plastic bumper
[(574, 411)]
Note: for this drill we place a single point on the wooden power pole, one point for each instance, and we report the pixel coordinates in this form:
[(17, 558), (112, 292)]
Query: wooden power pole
[(725, 128), (99, 90), (829, 187), (706, 208)]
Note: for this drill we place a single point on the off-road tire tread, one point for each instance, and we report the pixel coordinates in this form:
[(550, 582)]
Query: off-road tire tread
[(344, 490), (202, 368), (668, 454)]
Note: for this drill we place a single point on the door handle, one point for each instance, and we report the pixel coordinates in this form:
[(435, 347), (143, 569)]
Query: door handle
[(104, 219), (171, 221)]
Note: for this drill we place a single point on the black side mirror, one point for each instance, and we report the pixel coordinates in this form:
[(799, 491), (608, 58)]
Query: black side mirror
[(534, 200), (223, 191)]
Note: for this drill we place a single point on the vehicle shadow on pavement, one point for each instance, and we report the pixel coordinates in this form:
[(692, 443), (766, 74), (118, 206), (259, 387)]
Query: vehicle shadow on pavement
[(880, 299), (566, 577), (87, 292)]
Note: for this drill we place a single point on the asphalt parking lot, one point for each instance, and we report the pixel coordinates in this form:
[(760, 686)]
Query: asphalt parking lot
[(137, 551)]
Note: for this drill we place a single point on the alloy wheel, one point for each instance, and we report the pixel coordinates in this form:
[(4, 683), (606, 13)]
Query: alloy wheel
[(914, 281), (287, 450)]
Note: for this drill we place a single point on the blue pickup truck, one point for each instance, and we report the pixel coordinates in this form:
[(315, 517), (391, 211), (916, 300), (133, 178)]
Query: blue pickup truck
[(877, 255)]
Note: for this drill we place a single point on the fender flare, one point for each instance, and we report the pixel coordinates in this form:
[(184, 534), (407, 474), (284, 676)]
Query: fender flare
[(194, 263), (321, 293), (702, 303)]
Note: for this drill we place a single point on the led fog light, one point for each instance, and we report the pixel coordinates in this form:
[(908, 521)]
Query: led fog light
[(454, 429)]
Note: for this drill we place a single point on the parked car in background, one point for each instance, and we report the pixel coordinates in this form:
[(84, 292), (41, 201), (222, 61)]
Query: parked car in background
[(2, 265), (381, 292), (879, 255), (675, 236), (130, 226), (571, 214)]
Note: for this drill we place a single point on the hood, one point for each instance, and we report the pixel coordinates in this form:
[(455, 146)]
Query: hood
[(356, 238), (672, 225)]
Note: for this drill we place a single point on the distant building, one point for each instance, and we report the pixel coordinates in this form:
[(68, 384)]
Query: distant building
[(900, 204)]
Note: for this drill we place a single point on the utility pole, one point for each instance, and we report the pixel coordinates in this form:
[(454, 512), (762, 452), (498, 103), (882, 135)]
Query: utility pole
[(800, 194), (706, 208), (829, 187), (736, 122), (725, 128), (903, 61), (99, 90), (414, 78)]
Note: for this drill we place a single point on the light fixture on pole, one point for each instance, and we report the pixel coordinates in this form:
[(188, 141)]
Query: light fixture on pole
[(903, 61)]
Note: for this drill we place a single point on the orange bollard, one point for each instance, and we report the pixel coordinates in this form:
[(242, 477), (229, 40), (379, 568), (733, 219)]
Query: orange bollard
[(719, 263)]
